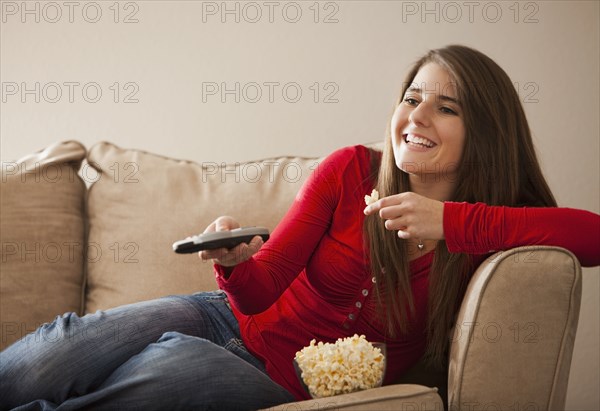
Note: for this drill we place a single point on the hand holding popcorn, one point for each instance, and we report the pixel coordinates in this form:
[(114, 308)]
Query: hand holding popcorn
[(413, 215)]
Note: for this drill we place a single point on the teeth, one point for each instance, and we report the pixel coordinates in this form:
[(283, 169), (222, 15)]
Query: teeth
[(410, 138)]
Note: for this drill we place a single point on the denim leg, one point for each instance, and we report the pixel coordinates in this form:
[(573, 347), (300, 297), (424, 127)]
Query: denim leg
[(73, 356), (182, 372)]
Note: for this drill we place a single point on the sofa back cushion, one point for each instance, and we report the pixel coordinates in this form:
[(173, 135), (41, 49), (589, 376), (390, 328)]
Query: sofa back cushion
[(140, 203), (42, 237)]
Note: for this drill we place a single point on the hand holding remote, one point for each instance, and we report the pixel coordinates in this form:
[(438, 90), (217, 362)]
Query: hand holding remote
[(236, 255)]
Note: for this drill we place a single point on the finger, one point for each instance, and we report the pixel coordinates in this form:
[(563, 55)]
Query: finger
[(384, 202), (405, 235), (212, 254), (392, 212), (373, 207), (225, 223), (222, 224), (255, 245), (248, 250), (395, 224), (234, 255), (211, 227)]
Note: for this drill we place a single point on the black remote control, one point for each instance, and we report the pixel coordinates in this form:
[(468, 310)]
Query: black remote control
[(219, 239)]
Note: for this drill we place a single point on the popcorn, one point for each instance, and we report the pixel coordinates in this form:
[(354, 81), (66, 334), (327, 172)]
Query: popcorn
[(372, 198), (349, 365)]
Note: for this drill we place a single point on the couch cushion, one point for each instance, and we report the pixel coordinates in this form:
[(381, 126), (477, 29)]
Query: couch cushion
[(387, 398), (141, 203), (42, 237)]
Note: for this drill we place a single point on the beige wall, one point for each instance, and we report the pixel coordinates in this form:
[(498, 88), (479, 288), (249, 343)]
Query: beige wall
[(152, 70)]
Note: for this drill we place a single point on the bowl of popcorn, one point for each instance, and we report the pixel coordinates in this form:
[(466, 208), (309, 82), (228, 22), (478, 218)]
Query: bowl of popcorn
[(348, 365)]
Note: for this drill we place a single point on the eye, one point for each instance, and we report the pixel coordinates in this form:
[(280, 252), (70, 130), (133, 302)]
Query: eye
[(410, 101), (447, 110)]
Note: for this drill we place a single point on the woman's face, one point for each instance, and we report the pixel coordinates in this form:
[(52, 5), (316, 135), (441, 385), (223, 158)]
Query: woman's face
[(427, 127)]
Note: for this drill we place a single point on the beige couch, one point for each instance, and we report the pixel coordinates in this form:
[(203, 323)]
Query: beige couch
[(67, 247)]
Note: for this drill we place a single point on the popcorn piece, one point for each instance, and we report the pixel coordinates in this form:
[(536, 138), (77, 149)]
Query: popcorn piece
[(372, 198), (349, 365)]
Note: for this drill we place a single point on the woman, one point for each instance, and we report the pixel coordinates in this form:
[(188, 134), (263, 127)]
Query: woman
[(459, 179)]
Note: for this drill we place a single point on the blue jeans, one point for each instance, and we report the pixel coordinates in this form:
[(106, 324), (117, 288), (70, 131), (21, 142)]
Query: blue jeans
[(176, 352)]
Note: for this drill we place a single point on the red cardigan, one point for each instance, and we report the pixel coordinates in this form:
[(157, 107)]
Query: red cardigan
[(310, 279)]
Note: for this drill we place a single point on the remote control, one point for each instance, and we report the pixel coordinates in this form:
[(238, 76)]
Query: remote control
[(219, 239)]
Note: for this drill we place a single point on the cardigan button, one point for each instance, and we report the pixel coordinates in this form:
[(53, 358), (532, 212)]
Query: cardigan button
[(365, 292), (351, 317), (346, 326), (358, 304)]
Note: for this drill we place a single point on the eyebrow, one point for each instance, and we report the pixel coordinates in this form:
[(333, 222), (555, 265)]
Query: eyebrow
[(441, 96)]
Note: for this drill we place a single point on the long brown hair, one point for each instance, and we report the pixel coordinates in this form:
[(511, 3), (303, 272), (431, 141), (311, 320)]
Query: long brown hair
[(498, 167)]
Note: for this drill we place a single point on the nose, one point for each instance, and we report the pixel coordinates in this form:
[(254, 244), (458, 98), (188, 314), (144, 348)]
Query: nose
[(420, 115)]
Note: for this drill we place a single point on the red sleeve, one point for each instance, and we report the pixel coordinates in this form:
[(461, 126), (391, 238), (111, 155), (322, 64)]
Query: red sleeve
[(481, 229), (257, 283)]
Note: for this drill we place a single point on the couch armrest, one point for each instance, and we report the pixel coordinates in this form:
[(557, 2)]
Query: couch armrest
[(42, 232), (514, 334), (388, 398)]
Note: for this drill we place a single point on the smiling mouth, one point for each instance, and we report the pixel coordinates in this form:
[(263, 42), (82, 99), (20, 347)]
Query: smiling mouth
[(417, 141)]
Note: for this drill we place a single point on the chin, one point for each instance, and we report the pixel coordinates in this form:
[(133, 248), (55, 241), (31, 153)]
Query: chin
[(407, 167), (403, 159)]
